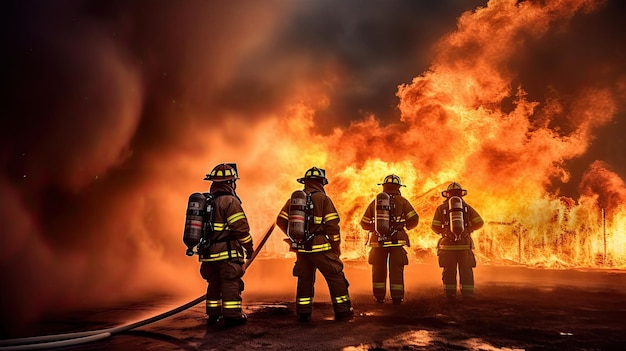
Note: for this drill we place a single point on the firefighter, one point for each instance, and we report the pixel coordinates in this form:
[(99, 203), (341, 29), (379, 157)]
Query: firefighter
[(223, 258), (455, 221), (317, 246), (387, 218)]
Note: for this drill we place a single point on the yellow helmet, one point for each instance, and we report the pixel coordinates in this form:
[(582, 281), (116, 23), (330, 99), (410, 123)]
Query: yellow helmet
[(392, 179), (454, 189), (224, 172), (314, 173)]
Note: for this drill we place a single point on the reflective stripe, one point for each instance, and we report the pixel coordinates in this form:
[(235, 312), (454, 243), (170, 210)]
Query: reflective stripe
[(477, 219), (467, 287), (342, 299), (213, 303), (317, 220), (378, 285), (232, 304), (449, 286), (283, 215), (436, 223), (411, 214), (336, 237), (304, 300), (454, 247), (246, 240), (219, 227), (234, 218), (366, 220), (220, 256), (392, 244), (331, 216), (317, 248), (396, 287)]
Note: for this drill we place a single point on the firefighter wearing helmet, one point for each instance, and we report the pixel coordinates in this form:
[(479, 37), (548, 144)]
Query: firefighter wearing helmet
[(387, 218), (311, 223), (455, 221), (227, 243)]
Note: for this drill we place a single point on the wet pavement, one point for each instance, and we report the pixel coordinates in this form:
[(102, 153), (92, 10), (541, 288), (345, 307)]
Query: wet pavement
[(516, 308)]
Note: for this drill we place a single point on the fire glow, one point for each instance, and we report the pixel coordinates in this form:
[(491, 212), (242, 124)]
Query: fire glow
[(89, 198), (454, 127)]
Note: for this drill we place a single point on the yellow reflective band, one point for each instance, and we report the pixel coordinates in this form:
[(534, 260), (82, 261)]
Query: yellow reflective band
[(467, 287), (342, 299), (366, 220), (234, 218), (396, 286), (399, 220), (454, 247), (449, 286), (232, 304), (436, 223), (411, 214), (477, 219), (246, 240), (284, 215), (378, 285), (220, 256), (317, 248), (392, 244), (220, 227), (317, 220), (304, 301), (213, 303), (331, 216), (336, 237)]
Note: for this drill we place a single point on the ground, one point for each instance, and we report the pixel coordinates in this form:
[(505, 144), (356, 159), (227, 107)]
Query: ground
[(516, 308)]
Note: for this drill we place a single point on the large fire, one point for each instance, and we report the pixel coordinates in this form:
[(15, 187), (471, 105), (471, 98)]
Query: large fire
[(462, 120), (95, 215)]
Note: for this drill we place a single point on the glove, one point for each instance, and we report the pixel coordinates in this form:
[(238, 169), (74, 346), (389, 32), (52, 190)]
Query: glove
[(249, 251)]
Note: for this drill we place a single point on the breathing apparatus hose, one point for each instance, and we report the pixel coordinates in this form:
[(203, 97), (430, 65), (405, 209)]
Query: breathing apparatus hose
[(70, 339)]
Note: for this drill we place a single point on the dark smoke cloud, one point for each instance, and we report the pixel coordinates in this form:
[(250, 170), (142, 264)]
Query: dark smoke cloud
[(101, 95), (355, 51), (585, 54)]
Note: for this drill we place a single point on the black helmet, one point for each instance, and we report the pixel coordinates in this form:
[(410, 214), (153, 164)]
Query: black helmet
[(314, 173), (392, 179), (224, 172), (454, 189)]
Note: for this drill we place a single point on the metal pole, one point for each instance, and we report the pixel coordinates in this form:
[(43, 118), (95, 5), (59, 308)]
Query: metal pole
[(604, 234), (519, 244)]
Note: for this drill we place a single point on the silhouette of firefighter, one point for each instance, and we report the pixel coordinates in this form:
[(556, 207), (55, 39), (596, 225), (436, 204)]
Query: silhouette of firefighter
[(455, 221), (387, 218), (311, 223), (217, 225)]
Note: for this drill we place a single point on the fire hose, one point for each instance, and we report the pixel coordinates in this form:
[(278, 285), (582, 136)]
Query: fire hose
[(70, 339)]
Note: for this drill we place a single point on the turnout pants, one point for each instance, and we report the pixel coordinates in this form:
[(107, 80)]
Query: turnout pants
[(331, 267), (451, 259), (392, 259), (223, 294)]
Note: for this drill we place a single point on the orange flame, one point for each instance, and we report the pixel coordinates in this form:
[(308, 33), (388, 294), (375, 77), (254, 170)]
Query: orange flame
[(455, 126)]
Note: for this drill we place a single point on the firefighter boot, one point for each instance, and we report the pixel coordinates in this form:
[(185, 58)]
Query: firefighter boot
[(234, 321), (344, 316), (304, 317), (212, 320)]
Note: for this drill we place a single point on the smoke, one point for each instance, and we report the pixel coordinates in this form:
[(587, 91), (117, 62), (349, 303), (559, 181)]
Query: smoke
[(116, 111)]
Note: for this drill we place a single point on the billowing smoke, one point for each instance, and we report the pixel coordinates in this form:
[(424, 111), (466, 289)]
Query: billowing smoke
[(116, 110)]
